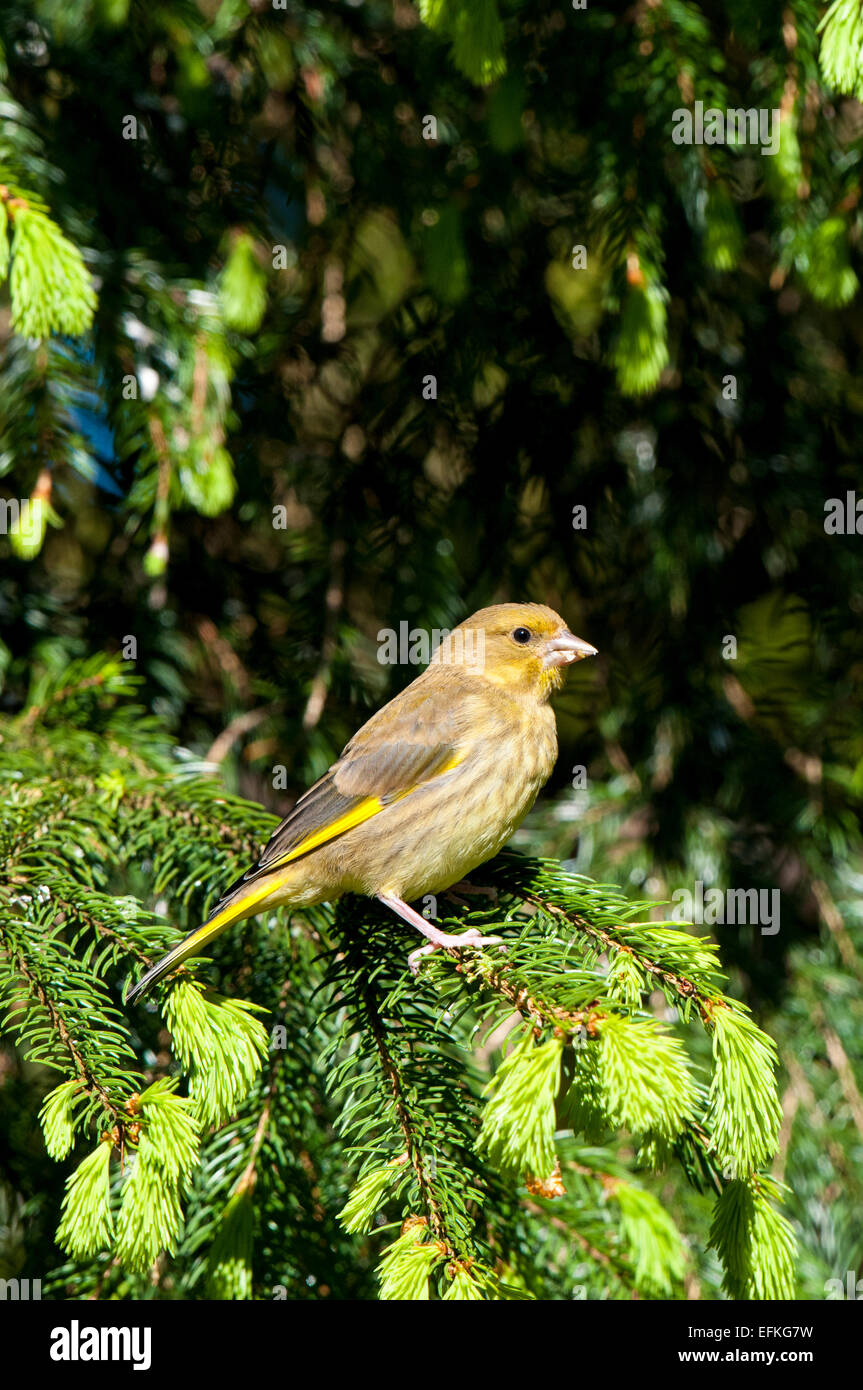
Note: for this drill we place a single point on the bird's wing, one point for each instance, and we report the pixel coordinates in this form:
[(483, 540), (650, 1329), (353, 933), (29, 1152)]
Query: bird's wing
[(404, 746), (394, 770)]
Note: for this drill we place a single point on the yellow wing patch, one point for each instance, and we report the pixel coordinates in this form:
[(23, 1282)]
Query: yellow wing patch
[(254, 888), (364, 811)]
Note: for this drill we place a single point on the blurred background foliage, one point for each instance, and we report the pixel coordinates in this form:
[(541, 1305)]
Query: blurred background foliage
[(232, 459)]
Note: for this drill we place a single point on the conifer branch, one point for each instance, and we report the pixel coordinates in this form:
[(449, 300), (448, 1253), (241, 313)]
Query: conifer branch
[(567, 1022), (36, 712), (587, 1057), (89, 1082), (426, 1188), (603, 1258), (683, 987), (248, 1177)]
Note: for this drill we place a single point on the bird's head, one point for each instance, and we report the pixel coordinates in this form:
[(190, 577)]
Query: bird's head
[(524, 647)]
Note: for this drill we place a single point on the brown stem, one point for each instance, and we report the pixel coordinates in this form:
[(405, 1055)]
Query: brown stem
[(334, 599), (239, 725), (414, 1155), (540, 1012), (685, 988), (60, 1027), (71, 908)]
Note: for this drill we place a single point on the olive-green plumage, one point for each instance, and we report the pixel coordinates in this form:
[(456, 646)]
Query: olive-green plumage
[(432, 786)]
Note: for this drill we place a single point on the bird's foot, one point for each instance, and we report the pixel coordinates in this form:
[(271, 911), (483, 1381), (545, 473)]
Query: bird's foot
[(472, 937), (435, 937)]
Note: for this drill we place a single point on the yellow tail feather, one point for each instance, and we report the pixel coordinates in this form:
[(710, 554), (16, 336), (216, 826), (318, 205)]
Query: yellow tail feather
[(234, 911)]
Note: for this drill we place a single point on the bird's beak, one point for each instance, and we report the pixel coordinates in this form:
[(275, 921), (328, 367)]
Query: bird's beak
[(564, 649)]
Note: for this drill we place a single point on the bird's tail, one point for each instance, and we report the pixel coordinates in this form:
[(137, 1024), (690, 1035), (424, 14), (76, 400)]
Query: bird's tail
[(246, 900)]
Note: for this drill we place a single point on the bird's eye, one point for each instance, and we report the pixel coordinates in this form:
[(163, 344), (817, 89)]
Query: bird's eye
[(522, 635)]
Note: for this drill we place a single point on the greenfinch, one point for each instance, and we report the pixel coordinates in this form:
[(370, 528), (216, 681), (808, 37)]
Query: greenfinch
[(432, 786)]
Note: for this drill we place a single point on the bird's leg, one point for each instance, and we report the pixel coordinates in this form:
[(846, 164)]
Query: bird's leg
[(436, 937)]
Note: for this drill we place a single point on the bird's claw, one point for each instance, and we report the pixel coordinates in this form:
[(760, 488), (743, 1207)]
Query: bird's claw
[(472, 937), (416, 956)]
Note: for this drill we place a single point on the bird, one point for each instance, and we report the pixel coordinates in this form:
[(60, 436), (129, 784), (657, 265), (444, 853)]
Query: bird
[(432, 786)]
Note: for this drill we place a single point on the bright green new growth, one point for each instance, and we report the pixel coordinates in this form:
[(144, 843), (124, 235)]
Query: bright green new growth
[(744, 1112), (465, 1288), (644, 1078), (476, 32), (57, 1118), (221, 1047), (151, 1213), (243, 287), (651, 1236), (754, 1241), (88, 1224), (358, 1212), (50, 287), (518, 1124), (229, 1263), (842, 46), (826, 264), (640, 353), (406, 1265)]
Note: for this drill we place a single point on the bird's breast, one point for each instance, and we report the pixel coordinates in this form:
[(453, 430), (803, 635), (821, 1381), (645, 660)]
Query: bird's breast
[(441, 831)]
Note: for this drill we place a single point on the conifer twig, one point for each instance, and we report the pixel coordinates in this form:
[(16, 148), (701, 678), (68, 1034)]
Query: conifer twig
[(30, 716), (685, 988), (415, 1157), (566, 1021), (59, 1026)]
